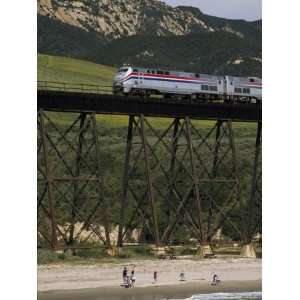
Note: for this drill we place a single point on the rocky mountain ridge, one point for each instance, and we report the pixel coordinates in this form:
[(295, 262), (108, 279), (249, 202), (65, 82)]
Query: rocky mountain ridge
[(148, 33), (119, 18)]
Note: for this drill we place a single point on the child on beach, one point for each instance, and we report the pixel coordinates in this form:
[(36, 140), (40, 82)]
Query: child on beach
[(132, 278)]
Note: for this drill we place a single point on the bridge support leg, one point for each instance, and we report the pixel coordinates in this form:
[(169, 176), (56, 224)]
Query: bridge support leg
[(214, 175), (172, 182), (142, 204), (49, 180), (223, 184), (69, 163), (82, 128), (100, 187), (193, 175), (125, 181), (183, 184), (219, 181), (255, 178), (254, 221), (149, 181)]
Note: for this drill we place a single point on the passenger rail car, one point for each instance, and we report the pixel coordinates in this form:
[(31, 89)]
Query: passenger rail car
[(146, 82), (243, 88)]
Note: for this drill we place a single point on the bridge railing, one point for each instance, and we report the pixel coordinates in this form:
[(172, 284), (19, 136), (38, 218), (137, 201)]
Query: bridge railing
[(73, 87)]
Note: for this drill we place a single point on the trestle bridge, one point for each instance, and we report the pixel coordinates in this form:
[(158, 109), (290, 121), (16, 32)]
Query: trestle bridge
[(183, 179)]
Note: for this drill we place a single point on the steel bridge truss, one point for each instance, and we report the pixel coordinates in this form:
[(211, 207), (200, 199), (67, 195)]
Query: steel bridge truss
[(187, 179), (70, 192), (180, 181)]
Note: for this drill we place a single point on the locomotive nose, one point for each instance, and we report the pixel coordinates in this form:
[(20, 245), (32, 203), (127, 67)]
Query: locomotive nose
[(118, 78)]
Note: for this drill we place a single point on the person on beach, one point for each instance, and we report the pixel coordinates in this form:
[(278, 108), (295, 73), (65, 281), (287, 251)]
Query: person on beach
[(127, 283), (132, 278), (182, 276), (216, 280), (155, 277), (125, 275)]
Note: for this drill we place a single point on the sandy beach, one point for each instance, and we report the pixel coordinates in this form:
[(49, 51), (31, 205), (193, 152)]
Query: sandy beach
[(178, 291), (104, 280)]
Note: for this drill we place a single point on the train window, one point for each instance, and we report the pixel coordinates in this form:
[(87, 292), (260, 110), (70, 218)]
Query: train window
[(123, 70), (160, 72), (197, 75), (135, 70), (204, 87), (252, 80), (238, 90), (148, 71), (153, 72), (213, 88), (167, 73), (246, 91)]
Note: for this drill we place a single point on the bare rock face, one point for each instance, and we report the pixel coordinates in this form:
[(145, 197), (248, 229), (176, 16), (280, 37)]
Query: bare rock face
[(118, 18), (248, 251), (204, 251)]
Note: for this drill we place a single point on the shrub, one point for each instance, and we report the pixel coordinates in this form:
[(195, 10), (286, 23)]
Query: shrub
[(124, 254), (187, 251), (91, 253), (46, 256), (142, 250)]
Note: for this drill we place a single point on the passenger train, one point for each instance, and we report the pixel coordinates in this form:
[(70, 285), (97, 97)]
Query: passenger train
[(148, 81)]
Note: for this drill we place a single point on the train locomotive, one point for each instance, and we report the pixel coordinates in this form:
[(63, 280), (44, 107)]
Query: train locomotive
[(145, 82)]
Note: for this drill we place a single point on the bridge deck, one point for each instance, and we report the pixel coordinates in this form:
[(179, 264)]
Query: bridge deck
[(119, 105)]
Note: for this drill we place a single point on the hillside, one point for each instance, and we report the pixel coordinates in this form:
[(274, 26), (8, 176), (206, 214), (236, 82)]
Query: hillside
[(119, 18), (63, 69), (140, 32), (203, 52)]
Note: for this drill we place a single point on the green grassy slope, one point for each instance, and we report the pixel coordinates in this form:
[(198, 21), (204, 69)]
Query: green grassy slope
[(64, 69)]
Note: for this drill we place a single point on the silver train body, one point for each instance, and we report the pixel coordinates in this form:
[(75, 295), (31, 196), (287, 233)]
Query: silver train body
[(143, 81)]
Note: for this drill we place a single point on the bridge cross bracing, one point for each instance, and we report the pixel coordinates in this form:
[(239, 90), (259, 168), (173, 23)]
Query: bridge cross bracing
[(191, 179)]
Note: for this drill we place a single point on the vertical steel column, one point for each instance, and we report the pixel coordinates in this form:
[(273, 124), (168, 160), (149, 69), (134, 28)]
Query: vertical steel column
[(125, 180), (254, 181), (100, 181), (149, 181), (235, 172), (54, 241), (195, 177), (173, 164), (213, 176), (76, 175)]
